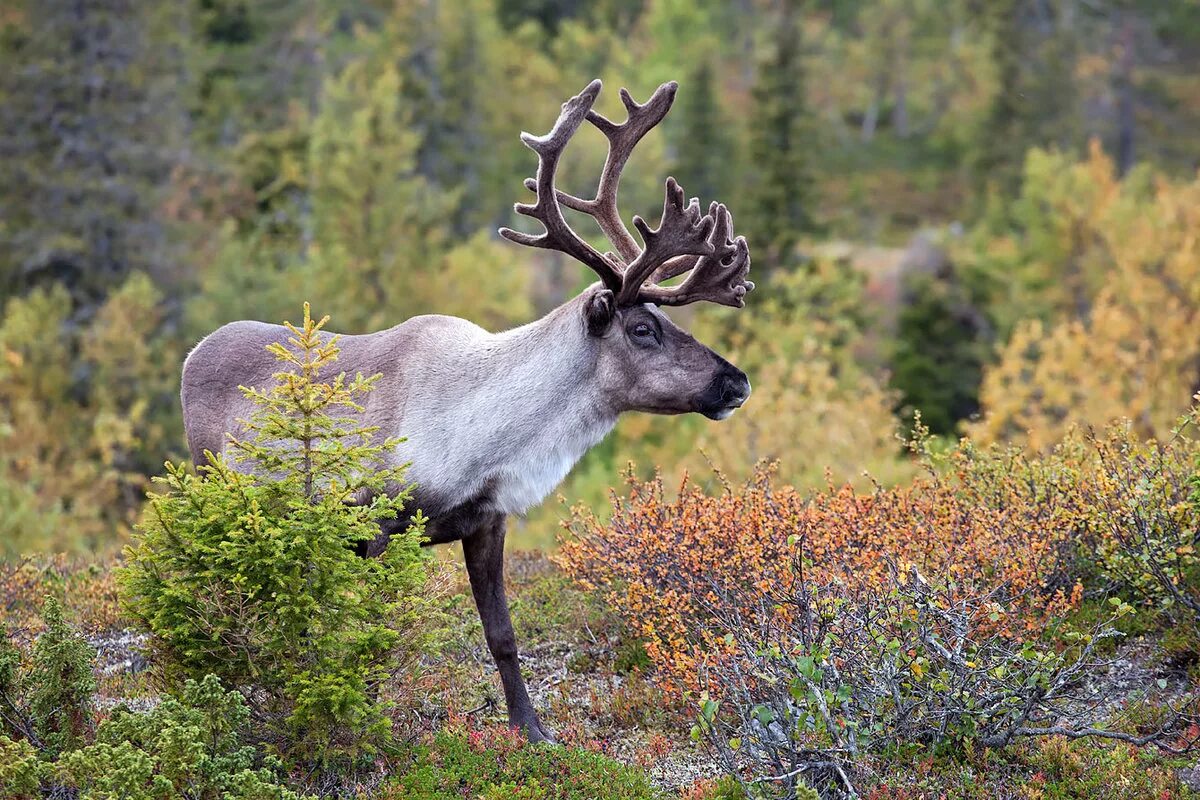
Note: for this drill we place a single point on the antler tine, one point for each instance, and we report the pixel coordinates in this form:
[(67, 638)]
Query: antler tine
[(719, 277), (558, 234), (681, 264), (622, 139), (682, 231)]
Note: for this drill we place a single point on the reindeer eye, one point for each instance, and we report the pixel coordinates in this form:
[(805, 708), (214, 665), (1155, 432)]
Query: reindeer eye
[(642, 329)]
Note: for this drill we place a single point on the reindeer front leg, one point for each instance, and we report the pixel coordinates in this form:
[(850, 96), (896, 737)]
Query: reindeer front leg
[(484, 553)]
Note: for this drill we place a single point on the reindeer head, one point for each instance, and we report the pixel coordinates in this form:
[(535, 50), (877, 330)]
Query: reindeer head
[(645, 362)]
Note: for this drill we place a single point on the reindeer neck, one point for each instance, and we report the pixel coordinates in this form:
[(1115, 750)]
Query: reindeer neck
[(555, 411)]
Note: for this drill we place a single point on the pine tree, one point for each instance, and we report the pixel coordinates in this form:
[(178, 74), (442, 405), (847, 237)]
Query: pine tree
[(779, 205), (703, 148), (89, 129)]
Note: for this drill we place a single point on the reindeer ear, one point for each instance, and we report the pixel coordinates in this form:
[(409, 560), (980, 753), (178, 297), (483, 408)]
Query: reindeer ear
[(599, 311)]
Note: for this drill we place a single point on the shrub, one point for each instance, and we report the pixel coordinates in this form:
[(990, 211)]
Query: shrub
[(819, 633), (190, 747), (498, 764), (20, 770), (658, 561), (1080, 770), (1144, 509), (1096, 276), (821, 682), (253, 577), (87, 406), (193, 746), (25, 583)]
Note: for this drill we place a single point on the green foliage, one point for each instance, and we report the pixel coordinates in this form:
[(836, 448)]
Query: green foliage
[(780, 197), (20, 769), (495, 764), (83, 168), (190, 746), (254, 578), (939, 350), (1142, 507), (86, 410), (702, 161), (1071, 770), (373, 215), (60, 683)]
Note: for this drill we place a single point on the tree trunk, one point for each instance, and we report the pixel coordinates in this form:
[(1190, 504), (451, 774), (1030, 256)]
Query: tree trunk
[(1125, 97)]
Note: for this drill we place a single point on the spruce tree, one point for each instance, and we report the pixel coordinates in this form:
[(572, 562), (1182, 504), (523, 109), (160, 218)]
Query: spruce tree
[(60, 683), (779, 205), (250, 572), (1036, 96), (89, 131), (702, 143), (941, 344)]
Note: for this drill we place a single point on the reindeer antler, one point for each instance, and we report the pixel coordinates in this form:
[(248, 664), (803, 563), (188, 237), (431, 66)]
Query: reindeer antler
[(558, 235), (684, 241)]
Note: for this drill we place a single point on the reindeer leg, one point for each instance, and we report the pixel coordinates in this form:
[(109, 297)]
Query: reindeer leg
[(484, 552)]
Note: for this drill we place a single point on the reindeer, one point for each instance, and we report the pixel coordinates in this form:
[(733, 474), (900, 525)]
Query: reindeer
[(494, 421)]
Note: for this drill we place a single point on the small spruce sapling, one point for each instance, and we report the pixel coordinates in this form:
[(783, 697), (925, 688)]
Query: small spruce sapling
[(60, 683), (47, 699), (247, 570)]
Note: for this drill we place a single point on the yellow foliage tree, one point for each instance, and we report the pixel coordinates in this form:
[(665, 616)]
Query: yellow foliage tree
[(1130, 350), (86, 410)]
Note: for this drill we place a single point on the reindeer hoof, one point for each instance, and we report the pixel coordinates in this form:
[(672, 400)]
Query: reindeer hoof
[(535, 731)]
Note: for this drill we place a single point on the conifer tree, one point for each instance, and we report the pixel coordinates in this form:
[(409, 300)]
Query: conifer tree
[(1033, 105), (703, 145), (941, 344), (89, 129), (60, 683), (779, 205), (250, 572), (378, 225)]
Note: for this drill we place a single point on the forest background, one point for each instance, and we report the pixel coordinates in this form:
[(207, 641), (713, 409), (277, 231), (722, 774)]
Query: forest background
[(984, 210)]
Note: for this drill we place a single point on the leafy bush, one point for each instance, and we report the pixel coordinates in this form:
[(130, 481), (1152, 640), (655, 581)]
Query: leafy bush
[(86, 409), (1143, 508), (822, 633), (498, 764), (821, 682), (1100, 272), (658, 560), (254, 578)]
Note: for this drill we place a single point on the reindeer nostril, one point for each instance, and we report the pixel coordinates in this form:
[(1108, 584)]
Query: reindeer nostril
[(735, 389)]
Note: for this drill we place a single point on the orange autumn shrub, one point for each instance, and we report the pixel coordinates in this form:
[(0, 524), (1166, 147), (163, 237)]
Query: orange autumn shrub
[(988, 524)]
